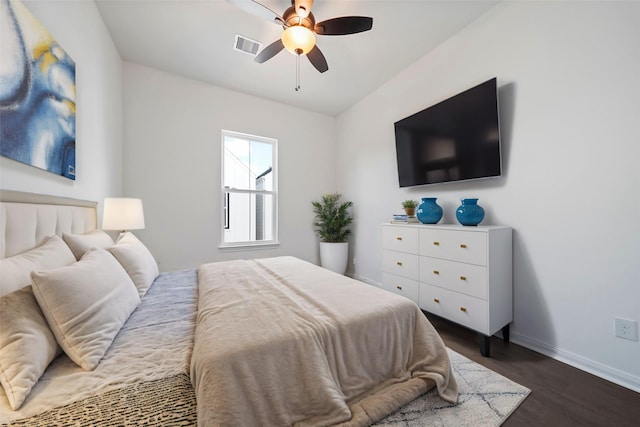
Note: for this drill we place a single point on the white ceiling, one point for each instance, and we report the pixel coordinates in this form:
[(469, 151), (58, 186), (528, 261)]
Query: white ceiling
[(194, 39)]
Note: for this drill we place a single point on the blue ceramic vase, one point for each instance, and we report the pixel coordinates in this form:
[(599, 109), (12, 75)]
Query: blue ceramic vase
[(469, 212), (429, 212)]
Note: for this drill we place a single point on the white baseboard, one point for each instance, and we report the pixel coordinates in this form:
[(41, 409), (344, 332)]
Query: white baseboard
[(623, 379), (366, 280), (613, 375)]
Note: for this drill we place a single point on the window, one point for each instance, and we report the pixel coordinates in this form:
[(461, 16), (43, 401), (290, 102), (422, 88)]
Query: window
[(249, 190)]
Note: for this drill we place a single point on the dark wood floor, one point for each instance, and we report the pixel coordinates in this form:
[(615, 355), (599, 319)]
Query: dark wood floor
[(561, 395)]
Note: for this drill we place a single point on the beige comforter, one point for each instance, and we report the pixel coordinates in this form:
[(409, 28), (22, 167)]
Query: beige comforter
[(280, 341)]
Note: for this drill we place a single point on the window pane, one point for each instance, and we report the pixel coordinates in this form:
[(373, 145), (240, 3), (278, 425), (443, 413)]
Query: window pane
[(247, 164), (250, 218)]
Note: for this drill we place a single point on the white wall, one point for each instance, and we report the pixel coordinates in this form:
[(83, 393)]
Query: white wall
[(79, 29), (172, 161), (568, 92)]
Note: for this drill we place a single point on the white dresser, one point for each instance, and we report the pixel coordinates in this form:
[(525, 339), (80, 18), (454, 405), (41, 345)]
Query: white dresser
[(463, 274)]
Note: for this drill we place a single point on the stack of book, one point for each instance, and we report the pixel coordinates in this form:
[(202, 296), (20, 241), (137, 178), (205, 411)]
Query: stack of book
[(403, 219)]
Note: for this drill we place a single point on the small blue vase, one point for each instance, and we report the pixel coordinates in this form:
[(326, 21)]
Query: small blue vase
[(429, 212), (469, 212)]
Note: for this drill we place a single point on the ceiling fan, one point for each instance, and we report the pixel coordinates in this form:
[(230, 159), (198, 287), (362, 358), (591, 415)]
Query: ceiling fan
[(300, 29)]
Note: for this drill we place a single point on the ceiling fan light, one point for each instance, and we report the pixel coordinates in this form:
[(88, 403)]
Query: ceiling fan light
[(298, 38)]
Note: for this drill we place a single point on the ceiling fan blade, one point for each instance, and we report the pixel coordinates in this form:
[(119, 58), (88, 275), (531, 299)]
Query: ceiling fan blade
[(317, 59), (303, 7), (259, 10), (344, 25), (269, 52)]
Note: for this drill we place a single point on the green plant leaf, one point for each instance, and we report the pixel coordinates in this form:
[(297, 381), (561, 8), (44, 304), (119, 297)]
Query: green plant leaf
[(332, 218)]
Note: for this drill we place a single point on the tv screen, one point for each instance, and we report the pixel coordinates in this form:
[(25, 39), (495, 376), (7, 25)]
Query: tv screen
[(457, 139)]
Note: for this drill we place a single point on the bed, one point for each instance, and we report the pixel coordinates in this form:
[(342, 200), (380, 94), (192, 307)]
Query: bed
[(274, 341)]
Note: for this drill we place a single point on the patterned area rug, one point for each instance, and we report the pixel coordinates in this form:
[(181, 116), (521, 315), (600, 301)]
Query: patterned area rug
[(485, 398)]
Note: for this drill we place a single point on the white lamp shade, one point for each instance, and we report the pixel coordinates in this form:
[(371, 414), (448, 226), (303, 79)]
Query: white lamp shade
[(122, 214), (298, 37)]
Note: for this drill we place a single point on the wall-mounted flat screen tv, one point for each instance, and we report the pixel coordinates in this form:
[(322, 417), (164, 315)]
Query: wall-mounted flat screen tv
[(457, 139)]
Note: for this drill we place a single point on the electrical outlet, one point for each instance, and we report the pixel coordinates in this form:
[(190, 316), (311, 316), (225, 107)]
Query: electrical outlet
[(627, 329)]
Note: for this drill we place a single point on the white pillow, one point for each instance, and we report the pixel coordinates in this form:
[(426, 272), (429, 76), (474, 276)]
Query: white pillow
[(136, 259), (27, 345), (81, 243), (86, 304), (15, 270)]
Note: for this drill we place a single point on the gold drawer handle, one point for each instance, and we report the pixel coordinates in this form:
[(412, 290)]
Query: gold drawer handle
[(398, 238), (399, 263), (463, 277), (462, 309), (463, 246), (436, 243), (399, 287), (436, 272), (436, 300)]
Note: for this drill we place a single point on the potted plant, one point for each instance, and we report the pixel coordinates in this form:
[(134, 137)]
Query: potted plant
[(410, 207), (332, 224)]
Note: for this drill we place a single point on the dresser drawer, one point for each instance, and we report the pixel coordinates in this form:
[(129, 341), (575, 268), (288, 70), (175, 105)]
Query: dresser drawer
[(463, 309), (401, 286), (401, 264), (400, 239), (468, 279), (455, 245)]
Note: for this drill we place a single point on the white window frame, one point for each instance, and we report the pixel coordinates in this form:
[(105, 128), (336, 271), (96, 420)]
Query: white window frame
[(227, 211)]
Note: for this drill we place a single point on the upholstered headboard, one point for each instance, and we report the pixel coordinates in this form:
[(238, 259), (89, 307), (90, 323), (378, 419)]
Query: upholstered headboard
[(27, 219)]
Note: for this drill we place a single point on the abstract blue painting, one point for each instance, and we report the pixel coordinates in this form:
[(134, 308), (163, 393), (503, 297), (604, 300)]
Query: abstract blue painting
[(37, 94)]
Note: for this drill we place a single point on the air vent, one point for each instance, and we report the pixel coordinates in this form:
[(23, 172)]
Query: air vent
[(243, 44)]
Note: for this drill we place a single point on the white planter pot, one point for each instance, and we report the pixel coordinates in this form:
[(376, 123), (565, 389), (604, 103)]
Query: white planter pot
[(334, 256)]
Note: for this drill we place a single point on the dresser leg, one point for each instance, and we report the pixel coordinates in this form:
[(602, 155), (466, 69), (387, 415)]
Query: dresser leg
[(484, 343), (505, 333)]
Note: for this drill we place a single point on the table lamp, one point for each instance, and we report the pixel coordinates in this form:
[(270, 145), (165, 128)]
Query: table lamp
[(122, 214)]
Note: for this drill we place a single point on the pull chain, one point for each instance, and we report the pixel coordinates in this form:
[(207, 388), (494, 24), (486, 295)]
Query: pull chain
[(298, 51)]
